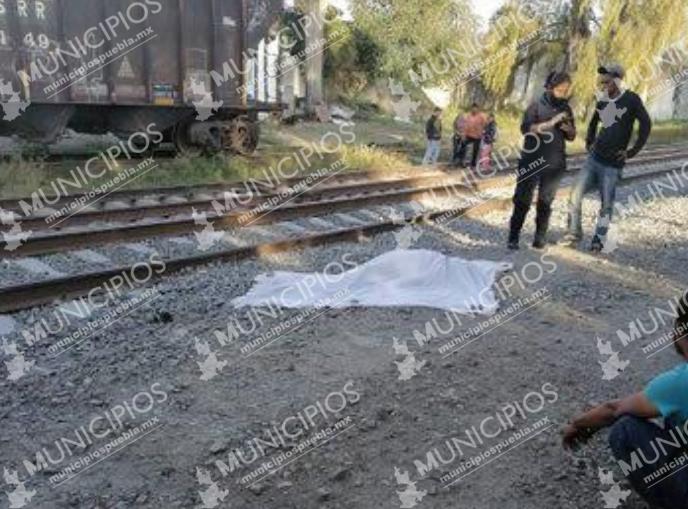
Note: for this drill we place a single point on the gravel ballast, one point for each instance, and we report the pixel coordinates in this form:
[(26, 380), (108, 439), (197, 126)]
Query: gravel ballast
[(340, 367)]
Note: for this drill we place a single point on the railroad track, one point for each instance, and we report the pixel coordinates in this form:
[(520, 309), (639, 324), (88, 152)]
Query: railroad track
[(404, 149), (174, 198), (172, 215), (136, 204), (289, 234), (131, 197)]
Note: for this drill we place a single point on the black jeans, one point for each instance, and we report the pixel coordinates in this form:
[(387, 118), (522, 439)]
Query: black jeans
[(664, 482), (547, 181), (475, 144), (459, 150)]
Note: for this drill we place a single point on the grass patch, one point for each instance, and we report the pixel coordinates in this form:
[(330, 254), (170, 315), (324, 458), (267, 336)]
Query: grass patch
[(372, 159), (21, 176), (381, 144), (672, 131)]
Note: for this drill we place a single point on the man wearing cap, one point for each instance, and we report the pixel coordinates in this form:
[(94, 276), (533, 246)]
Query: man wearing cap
[(617, 110)]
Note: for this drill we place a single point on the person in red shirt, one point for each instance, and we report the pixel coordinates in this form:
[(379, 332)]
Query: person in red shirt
[(473, 130)]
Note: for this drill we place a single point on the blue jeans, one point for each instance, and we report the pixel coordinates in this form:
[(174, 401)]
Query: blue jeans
[(594, 175), (668, 490), (432, 153)]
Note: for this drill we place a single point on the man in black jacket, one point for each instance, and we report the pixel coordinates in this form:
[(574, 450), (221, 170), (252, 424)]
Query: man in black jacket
[(433, 132), (617, 110)]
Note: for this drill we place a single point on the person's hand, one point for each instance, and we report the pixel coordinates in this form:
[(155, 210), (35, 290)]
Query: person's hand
[(622, 155), (569, 437), (551, 123), (559, 117), (568, 128), (573, 436)]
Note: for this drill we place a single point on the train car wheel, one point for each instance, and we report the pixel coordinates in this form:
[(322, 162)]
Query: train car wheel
[(243, 136), (181, 137)]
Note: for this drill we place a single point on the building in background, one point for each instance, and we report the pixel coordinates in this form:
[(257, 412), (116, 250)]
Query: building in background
[(275, 74)]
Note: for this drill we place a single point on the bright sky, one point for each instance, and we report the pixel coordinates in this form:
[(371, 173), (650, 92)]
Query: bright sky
[(486, 8), (342, 5)]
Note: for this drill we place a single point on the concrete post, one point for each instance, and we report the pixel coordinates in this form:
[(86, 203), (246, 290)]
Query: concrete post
[(314, 64)]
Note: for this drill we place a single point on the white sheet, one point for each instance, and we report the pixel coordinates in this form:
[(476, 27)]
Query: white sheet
[(401, 277)]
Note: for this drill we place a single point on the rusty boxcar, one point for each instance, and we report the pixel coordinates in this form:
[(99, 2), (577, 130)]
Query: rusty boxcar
[(117, 66)]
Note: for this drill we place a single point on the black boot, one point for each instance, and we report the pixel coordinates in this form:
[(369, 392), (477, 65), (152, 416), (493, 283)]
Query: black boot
[(513, 241), (516, 224), (544, 212), (523, 198)]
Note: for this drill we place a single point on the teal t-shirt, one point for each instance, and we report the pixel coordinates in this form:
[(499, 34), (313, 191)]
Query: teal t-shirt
[(669, 392)]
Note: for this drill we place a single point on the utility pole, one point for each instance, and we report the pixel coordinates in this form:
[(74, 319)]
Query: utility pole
[(314, 31)]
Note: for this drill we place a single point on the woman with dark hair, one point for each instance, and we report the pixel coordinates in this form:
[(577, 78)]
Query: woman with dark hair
[(547, 125)]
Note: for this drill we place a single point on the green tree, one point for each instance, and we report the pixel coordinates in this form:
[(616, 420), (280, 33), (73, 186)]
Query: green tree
[(352, 61), (627, 31), (424, 41), (430, 42), (582, 34), (514, 38)]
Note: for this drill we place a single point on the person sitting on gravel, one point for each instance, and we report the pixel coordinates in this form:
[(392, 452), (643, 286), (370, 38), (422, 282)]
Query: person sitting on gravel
[(617, 110), (547, 125), (651, 456)]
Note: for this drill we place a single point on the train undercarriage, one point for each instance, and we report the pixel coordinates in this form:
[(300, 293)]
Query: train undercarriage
[(228, 130)]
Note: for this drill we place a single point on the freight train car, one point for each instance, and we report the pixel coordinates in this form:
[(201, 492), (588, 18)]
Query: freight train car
[(98, 66)]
